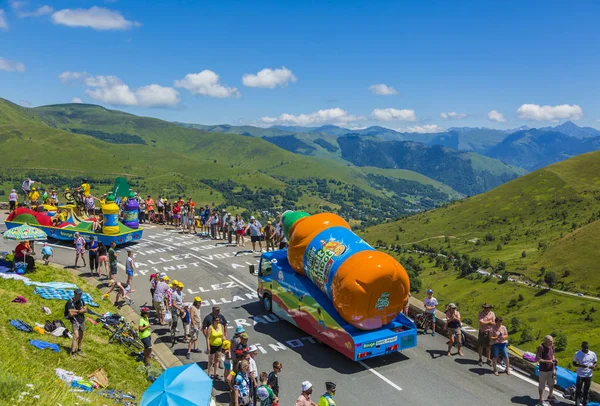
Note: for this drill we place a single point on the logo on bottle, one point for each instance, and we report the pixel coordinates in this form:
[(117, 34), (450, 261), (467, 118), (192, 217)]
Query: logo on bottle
[(383, 301)]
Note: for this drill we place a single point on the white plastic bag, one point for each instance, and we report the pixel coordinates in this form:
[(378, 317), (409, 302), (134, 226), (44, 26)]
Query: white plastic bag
[(168, 317)]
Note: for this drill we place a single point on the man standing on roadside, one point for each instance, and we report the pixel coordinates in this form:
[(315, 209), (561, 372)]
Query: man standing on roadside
[(159, 298), (75, 310), (196, 321), (430, 303), (487, 319), (327, 398), (585, 361), (270, 236), (547, 361), (112, 261), (255, 233), (304, 398), (273, 378), (26, 188)]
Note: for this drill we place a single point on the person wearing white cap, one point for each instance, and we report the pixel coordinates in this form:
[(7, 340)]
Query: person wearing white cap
[(304, 398), (13, 198), (252, 353), (255, 233)]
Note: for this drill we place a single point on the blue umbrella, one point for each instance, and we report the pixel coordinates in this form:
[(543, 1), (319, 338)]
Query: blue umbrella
[(186, 385)]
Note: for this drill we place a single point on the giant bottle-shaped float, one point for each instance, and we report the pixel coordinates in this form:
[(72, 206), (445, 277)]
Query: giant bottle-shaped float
[(110, 212), (368, 288), (131, 212)]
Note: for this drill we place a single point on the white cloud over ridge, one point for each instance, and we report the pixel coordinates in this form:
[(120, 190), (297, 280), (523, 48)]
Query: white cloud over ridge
[(453, 115), (98, 18), (422, 129), (535, 112), (382, 89), (25, 103), (76, 100), (11, 66), (393, 114), (496, 116), (269, 78), (3, 23), (206, 83), (111, 90), (326, 116)]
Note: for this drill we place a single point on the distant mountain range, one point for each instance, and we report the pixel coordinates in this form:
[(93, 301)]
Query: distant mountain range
[(524, 147)]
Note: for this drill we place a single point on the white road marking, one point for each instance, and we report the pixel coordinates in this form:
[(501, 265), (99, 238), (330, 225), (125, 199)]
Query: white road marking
[(147, 227), (380, 376), (242, 283), (193, 255)]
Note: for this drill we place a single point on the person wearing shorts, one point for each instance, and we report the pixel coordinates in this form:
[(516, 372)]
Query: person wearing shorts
[(102, 258), (453, 326), (499, 341), (486, 322), (75, 310), (255, 233), (144, 333), (214, 340), (112, 260)]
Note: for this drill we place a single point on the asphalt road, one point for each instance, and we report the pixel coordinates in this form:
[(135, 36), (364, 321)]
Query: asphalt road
[(219, 274)]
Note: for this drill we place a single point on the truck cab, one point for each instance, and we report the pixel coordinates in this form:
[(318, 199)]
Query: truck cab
[(294, 298)]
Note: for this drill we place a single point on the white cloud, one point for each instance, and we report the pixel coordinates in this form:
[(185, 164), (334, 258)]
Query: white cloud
[(326, 116), (68, 77), (393, 114), (206, 83), (17, 5), (25, 103), (111, 90), (423, 129), (11, 66), (383, 90), (3, 23), (40, 11), (269, 78), (453, 115), (496, 116), (97, 18), (536, 112)]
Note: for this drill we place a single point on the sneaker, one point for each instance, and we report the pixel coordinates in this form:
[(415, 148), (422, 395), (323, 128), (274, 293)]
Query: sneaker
[(196, 350), (433, 334), (81, 354), (131, 302), (73, 355), (552, 401), (188, 356)]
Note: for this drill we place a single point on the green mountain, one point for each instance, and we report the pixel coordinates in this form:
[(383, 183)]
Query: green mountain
[(544, 222), (465, 172), (59, 144)]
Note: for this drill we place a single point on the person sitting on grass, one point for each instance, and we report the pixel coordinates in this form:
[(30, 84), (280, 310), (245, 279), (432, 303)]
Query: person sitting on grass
[(122, 288), (144, 332)]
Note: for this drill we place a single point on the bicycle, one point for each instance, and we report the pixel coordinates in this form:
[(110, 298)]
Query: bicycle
[(123, 333), (424, 321)]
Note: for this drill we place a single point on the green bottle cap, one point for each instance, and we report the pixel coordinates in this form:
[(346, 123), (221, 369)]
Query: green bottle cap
[(289, 218)]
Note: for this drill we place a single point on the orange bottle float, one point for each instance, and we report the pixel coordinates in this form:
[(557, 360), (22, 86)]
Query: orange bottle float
[(368, 288)]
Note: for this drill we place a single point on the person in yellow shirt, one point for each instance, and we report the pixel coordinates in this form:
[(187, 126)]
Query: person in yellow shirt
[(34, 195), (327, 398), (86, 188), (144, 333)]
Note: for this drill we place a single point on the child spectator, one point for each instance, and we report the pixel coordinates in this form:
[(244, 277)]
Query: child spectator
[(47, 253)]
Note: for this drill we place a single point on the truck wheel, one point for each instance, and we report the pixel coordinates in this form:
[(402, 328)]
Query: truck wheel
[(267, 303)]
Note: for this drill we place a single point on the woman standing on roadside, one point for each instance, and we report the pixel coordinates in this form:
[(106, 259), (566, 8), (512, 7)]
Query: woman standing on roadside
[(453, 325), (499, 341), (240, 229), (214, 341), (102, 258)]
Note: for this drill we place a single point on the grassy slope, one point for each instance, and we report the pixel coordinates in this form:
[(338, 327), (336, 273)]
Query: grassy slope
[(23, 364), (543, 206)]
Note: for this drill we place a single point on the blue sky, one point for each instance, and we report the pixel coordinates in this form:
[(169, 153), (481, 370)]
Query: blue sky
[(494, 64)]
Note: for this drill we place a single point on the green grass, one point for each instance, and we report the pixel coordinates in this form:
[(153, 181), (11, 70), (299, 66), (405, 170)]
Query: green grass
[(24, 364), (549, 214), (540, 311)]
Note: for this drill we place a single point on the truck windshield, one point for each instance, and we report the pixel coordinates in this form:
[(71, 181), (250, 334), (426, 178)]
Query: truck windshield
[(265, 267)]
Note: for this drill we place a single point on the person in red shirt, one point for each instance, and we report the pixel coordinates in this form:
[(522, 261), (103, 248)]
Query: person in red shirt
[(192, 216), (23, 254), (176, 216)]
